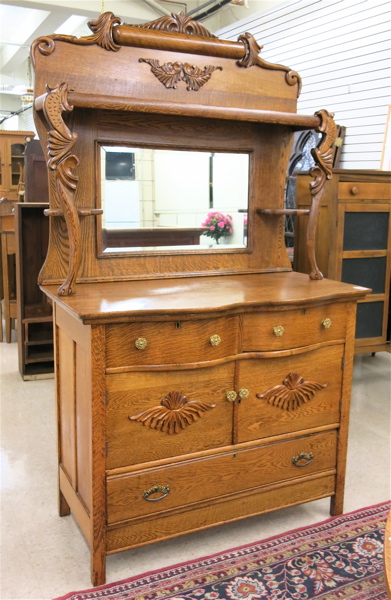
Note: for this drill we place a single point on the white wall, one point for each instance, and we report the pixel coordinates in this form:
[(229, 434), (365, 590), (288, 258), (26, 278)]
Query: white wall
[(341, 49)]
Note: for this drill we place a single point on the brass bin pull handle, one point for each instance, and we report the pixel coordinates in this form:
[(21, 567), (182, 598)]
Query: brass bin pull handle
[(278, 331), (141, 343), (302, 456), (162, 489), (215, 340), (326, 323), (231, 396)]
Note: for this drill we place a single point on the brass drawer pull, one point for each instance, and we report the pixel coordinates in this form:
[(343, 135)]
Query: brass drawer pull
[(141, 343), (302, 456), (326, 323), (215, 340), (231, 396), (278, 331), (243, 393), (162, 489)]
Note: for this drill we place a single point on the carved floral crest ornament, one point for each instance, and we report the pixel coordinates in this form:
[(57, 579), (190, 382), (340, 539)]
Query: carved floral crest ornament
[(170, 74), (293, 393), (174, 414)]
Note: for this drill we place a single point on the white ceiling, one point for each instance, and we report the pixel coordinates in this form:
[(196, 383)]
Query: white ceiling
[(22, 21)]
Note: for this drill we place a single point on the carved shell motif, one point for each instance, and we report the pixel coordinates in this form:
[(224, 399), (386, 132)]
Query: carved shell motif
[(179, 23), (293, 393), (170, 74), (174, 414)]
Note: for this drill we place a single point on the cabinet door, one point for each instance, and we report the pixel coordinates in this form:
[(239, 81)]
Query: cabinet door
[(287, 394), (161, 414), (16, 163), (366, 261)]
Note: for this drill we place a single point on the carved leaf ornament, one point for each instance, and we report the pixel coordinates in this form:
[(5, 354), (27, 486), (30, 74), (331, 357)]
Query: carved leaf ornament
[(174, 414), (293, 393), (170, 74)]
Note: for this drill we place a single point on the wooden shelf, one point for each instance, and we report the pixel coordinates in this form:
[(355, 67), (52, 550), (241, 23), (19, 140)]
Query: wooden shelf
[(39, 353), (282, 211)]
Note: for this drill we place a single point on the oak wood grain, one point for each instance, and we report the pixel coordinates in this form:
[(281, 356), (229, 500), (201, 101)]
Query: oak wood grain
[(258, 418), (138, 300), (195, 481), (130, 442), (222, 511)]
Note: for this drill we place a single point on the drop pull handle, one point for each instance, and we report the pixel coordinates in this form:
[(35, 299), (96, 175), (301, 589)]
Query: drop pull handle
[(156, 489), (231, 396), (243, 393), (308, 457)]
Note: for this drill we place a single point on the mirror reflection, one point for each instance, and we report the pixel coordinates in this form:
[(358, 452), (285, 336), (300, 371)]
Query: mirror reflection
[(172, 199)]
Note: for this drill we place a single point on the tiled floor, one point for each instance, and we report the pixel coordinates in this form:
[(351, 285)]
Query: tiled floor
[(44, 556)]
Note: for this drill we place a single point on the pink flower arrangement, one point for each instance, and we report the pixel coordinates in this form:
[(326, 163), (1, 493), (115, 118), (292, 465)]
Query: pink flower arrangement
[(219, 225)]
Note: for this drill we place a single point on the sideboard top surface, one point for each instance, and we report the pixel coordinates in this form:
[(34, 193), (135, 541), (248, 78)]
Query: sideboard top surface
[(129, 300)]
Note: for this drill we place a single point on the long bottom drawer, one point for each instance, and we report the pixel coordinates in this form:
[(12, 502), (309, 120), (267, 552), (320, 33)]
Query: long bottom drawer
[(132, 495), (219, 511)]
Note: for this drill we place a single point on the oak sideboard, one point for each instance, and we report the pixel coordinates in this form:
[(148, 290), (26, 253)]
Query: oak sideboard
[(198, 383)]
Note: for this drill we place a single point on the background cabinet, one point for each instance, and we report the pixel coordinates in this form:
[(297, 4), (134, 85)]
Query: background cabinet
[(34, 311), (354, 244), (12, 146)]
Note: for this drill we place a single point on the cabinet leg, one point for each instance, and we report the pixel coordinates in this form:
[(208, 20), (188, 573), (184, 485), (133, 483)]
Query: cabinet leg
[(63, 506), (336, 505), (98, 568)]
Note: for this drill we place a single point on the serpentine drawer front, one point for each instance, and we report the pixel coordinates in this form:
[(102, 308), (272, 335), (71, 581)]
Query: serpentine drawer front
[(289, 393), (154, 415), (155, 490), (170, 342), (293, 328)]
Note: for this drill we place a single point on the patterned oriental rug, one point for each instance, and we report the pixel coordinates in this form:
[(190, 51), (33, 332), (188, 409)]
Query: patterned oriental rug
[(338, 559)]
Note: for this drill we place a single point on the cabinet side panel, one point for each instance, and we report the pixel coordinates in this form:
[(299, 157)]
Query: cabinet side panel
[(66, 405), (74, 389), (83, 428)]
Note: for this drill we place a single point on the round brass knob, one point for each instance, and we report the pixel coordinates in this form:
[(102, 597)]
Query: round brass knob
[(141, 343), (326, 323), (278, 331), (215, 340), (354, 190), (231, 396), (243, 393)]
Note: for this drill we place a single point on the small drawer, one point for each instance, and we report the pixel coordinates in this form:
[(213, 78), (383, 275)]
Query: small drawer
[(170, 342), (293, 328), (348, 190), (155, 490)]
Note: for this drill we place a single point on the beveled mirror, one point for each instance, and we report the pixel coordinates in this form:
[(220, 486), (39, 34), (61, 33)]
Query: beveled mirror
[(152, 200)]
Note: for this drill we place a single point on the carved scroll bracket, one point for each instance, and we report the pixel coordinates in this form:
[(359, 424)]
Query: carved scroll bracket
[(251, 57), (62, 161), (323, 156), (102, 29)]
